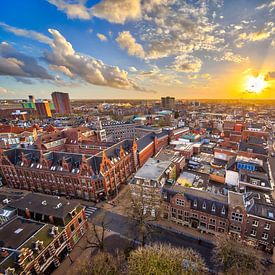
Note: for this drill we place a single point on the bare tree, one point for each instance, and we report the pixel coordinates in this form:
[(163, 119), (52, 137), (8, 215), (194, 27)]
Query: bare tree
[(103, 263), (233, 257), (145, 208)]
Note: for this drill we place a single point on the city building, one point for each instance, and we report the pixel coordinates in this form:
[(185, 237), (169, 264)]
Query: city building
[(40, 237), (168, 102), (62, 103), (71, 174), (43, 108), (117, 130)]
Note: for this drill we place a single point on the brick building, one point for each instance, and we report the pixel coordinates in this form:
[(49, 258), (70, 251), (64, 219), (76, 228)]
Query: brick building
[(75, 175), (45, 231), (249, 217)]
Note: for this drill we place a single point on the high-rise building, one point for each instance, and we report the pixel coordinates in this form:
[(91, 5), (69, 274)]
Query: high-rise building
[(43, 108), (31, 98), (168, 102), (62, 103)]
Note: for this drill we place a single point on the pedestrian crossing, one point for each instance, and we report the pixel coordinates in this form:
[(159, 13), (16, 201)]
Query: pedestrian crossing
[(89, 210)]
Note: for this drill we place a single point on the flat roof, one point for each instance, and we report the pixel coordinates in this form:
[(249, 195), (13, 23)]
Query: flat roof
[(14, 233), (152, 169), (45, 204)]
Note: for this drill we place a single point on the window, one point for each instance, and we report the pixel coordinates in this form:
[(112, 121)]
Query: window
[(203, 218), (212, 220), (213, 208), (253, 232), (267, 226), (180, 202), (235, 228), (265, 236), (204, 205), (174, 212), (255, 223), (72, 227), (79, 220), (222, 223), (195, 215), (195, 203), (237, 217)]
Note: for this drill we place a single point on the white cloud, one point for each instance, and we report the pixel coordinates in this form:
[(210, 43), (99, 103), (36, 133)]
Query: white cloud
[(75, 10), (132, 69), (101, 37), (114, 11), (85, 67), (186, 64), (231, 57), (118, 11), (128, 42), (26, 33)]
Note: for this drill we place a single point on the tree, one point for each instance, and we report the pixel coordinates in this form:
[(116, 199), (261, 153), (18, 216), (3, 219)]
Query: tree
[(233, 257), (163, 259), (144, 208), (103, 263)]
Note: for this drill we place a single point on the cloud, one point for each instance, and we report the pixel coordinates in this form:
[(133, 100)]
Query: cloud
[(128, 42), (174, 28), (132, 69), (101, 37), (75, 10), (3, 90), (264, 33), (26, 33), (63, 70), (231, 57), (186, 64), (118, 11), (16, 64), (85, 67), (270, 5)]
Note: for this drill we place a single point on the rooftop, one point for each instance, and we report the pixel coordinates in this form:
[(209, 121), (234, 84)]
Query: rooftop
[(14, 233), (153, 169), (47, 205)]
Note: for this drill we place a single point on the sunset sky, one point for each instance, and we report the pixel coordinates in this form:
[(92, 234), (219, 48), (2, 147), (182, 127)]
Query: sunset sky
[(137, 48)]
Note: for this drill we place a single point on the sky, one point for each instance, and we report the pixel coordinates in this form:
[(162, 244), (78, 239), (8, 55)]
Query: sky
[(137, 49)]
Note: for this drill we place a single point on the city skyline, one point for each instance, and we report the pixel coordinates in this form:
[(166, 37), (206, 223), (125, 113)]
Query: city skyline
[(137, 49)]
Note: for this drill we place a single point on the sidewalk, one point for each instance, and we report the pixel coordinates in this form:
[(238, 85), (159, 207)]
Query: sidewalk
[(192, 233)]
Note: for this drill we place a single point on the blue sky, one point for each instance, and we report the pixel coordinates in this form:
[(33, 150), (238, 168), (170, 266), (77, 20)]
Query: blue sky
[(136, 48)]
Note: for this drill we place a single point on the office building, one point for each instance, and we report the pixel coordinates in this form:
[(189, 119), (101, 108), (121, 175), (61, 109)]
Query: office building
[(168, 102), (43, 108), (62, 103)]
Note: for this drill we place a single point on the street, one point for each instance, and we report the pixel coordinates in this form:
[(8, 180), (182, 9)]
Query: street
[(126, 227)]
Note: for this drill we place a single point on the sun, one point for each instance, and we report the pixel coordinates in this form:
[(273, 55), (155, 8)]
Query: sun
[(255, 84)]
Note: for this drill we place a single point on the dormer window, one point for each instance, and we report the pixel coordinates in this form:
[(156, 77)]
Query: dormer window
[(223, 210), (195, 203), (204, 205), (213, 208)]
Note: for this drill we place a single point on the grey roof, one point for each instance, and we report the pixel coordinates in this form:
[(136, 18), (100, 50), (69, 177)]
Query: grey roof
[(153, 169), (261, 205), (44, 204), (256, 149), (202, 201), (17, 231)]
